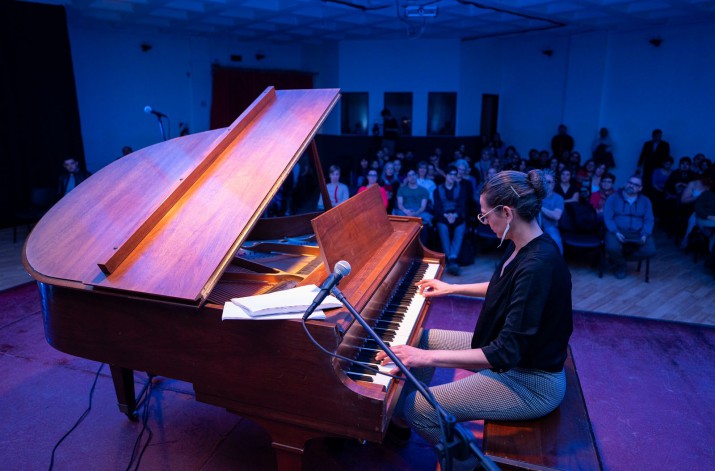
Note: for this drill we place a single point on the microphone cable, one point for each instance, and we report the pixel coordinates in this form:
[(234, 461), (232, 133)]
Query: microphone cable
[(81, 418), (143, 400)]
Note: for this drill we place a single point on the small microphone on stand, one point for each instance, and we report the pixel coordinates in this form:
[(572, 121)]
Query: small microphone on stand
[(342, 269), (158, 114)]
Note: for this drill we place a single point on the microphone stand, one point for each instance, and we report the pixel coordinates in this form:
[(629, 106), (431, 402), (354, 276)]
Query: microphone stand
[(457, 440), (161, 128)]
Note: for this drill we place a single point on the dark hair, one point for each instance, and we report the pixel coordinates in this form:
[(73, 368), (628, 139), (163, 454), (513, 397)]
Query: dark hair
[(521, 191), (334, 168), (685, 159), (609, 175), (667, 158)]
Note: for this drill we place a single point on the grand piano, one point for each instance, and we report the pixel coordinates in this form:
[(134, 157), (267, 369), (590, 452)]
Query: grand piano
[(135, 264)]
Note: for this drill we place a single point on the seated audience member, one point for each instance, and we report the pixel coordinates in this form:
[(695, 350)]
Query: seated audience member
[(424, 181), (566, 187), (552, 207), (606, 189), (704, 166), (412, 200), (628, 217), (372, 181), (573, 163), (338, 191), (660, 177), (388, 180), (596, 178), (697, 160), (450, 216), (580, 217), (705, 216), (687, 203), (674, 218), (361, 172), (399, 171), (483, 164), (71, 176), (585, 173), (469, 185)]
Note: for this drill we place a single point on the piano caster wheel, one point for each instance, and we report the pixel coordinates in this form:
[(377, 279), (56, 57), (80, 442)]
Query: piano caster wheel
[(134, 417)]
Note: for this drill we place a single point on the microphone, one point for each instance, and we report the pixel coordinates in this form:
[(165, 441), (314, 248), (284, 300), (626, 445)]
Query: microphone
[(148, 110), (342, 269)]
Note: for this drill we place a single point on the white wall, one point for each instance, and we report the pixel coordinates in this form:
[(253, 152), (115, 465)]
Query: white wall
[(115, 80), (616, 80)]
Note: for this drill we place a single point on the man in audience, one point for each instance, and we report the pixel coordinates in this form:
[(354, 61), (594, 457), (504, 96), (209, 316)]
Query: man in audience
[(449, 215), (652, 154), (71, 176), (561, 144), (412, 201), (628, 217)]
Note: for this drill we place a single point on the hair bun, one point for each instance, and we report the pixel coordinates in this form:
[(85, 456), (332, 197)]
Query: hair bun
[(538, 182)]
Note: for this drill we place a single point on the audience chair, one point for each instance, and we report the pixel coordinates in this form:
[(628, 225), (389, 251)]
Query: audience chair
[(588, 242), (635, 258)]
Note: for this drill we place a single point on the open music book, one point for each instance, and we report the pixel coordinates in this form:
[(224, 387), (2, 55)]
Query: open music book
[(291, 303), (234, 312)]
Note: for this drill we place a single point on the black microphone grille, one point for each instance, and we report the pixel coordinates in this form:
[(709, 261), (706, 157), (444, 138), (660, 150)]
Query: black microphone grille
[(342, 268)]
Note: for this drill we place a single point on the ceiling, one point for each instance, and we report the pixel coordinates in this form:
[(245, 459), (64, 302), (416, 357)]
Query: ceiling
[(315, 21)]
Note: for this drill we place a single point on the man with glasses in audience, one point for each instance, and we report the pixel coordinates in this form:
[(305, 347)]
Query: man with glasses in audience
[(629, 220), (372, 181)]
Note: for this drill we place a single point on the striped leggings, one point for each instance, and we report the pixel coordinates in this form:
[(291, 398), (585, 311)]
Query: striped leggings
[(518, 394)]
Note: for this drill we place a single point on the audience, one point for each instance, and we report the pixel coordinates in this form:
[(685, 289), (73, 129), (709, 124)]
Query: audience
[(552, 207), (71, 176), (412, 200), (338, 191), (561, 144), (603, 149), (605, 189), (372, 181), (652, 154), (705, 214), (566, 187), (628, 217), (450, 218)]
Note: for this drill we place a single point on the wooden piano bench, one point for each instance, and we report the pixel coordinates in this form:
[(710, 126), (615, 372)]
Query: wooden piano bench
[(562, 440)]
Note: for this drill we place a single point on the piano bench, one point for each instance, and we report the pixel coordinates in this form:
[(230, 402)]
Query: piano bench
[(561, 440)]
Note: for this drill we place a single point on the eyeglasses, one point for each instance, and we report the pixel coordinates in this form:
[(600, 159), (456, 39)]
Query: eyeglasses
[(637, 185), (482, 217), (371, 174)]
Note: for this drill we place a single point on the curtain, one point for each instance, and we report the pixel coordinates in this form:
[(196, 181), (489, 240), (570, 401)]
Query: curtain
[(235, 89)]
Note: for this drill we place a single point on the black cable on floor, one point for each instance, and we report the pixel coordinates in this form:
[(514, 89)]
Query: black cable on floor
[(81, 418), (143, 400)]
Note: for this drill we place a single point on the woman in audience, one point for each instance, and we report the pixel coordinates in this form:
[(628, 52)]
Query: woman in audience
[(338, 191), (606, 189), (372, 181), (519, 346), (596, 177), (585, 173), (566, 187), (687, 202), (552, 207), (424, 181)]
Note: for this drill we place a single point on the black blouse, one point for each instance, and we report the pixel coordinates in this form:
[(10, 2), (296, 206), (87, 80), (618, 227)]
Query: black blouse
[(526, 320)]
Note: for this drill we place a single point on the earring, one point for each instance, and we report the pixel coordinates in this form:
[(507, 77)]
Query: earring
[(503, 236)]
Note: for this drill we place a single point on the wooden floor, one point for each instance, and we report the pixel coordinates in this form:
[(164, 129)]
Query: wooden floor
[(679, 288)]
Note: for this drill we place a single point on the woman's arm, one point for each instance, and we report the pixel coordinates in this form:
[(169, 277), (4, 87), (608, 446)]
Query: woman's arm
[(433, 288), (472, 359)]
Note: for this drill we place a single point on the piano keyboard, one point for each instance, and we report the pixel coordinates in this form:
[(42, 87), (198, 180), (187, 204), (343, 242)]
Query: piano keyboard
[(395, 323)]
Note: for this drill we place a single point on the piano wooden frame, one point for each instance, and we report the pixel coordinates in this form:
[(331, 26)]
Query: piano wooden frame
[(134, 265)]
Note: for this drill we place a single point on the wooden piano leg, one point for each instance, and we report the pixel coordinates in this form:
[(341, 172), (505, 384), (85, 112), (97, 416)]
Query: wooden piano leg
[(288, 443), (124, 387)]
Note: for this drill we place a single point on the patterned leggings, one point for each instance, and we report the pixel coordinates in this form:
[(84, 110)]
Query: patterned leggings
[(518, 394)]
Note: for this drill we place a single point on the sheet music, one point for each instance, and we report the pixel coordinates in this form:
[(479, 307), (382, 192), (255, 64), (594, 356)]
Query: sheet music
[(289, 301), (232, 311)]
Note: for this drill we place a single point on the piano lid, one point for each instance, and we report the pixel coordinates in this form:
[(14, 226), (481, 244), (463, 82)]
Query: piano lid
[(167, 219)]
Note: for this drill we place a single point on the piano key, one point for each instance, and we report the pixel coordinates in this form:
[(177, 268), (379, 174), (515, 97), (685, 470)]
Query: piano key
[(397, 321)]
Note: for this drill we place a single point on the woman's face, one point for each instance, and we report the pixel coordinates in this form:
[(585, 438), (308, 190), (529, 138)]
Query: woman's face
[(565, 176), (493, 216), (422, 171), (364, 163), (371, 177), (601, 169), (389, 169)]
